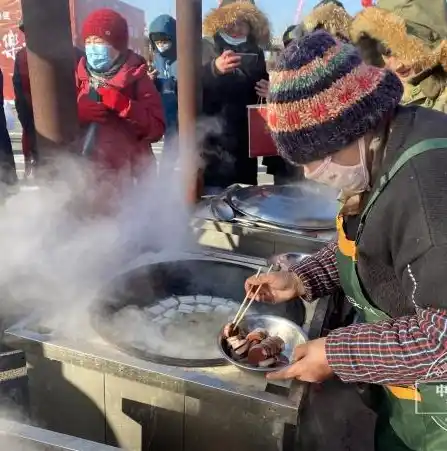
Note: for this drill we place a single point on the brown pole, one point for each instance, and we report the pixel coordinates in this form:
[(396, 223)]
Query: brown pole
[(51, 60), (189, 57)]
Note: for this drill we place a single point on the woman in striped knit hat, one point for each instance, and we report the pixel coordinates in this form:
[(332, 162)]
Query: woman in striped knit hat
[(340, 119), (331, 16)]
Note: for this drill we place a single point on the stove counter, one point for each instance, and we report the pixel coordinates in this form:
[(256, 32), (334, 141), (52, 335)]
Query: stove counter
[(27, 437), (186, 407)]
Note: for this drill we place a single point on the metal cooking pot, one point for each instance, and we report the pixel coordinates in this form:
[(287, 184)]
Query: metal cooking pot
[(149, 285)]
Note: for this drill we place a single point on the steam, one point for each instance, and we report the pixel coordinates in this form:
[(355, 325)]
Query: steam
[(9, 418), (54, 260)]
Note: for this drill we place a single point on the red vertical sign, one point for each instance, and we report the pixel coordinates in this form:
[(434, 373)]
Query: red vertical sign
[(11, 41)]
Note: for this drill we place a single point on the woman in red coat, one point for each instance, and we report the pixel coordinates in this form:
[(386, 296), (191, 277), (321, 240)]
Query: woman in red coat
[(119, 107)]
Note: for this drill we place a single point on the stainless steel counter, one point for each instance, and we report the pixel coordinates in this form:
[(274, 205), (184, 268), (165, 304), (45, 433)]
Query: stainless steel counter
[(147, 405), (21, 437)]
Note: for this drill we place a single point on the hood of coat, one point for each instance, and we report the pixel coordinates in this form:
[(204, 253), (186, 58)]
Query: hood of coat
[(164, 25), (332, 18), (133, 69), (425, 20), (406, 32), (231, 11)]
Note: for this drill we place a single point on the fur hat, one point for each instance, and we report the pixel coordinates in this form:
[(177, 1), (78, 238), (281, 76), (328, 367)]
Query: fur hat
[(231, 11), (415, 44), (330, 17)]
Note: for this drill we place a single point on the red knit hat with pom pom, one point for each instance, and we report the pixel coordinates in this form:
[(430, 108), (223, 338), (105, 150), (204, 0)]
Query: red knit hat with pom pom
[(108, 25)]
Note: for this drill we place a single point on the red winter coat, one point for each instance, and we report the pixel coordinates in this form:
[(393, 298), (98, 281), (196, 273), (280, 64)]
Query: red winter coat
[(123, 143)]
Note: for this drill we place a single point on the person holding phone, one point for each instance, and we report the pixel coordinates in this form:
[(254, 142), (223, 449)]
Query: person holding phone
[(234, 73)]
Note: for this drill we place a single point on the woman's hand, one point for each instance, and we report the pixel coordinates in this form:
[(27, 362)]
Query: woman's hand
[(227, 62), (153, 74), (276, 287), (114, 100), (262, 88), (91, 111), (311, 364)]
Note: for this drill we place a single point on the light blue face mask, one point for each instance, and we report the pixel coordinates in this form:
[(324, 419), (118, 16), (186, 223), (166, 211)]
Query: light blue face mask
[(99, 57), (163, 47), (232, 41)]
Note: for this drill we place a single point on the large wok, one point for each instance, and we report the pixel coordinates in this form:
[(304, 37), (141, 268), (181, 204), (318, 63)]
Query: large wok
[(148, 284)]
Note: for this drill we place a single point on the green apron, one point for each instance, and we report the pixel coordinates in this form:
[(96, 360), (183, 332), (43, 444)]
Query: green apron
[(398, 428)]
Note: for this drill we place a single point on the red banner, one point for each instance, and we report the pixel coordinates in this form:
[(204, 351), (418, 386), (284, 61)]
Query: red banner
[(11, 41)]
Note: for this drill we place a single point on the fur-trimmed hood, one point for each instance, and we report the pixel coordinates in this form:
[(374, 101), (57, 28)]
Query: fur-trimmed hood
[(231, 11), (413, 43), (332, 18)]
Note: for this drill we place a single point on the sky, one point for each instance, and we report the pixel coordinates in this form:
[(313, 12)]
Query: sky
[(280, 17)]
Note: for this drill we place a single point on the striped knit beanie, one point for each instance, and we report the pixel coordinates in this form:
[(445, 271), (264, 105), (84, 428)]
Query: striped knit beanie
[(323, 97)]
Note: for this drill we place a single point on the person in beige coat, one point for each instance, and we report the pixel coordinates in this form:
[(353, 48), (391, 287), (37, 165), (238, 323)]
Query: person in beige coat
[(410, 38)]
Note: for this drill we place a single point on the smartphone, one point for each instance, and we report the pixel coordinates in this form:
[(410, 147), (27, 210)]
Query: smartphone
[(248, 59)]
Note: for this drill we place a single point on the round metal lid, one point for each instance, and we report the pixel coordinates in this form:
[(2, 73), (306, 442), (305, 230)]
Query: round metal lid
[(307, 206)]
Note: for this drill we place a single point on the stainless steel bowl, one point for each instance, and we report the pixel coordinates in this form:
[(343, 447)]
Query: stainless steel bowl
[(292, 335)]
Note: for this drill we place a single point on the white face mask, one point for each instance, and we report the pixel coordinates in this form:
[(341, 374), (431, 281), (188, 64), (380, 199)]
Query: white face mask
[(233, 41), (164, 47), (350, 179)]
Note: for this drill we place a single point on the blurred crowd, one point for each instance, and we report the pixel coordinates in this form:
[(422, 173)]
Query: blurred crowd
[(127, 102)]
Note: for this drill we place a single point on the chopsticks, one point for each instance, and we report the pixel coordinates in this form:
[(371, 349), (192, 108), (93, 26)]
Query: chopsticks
[(246, 304)]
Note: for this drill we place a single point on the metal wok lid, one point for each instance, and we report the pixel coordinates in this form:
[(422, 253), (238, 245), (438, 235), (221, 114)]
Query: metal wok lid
[(307, 206)]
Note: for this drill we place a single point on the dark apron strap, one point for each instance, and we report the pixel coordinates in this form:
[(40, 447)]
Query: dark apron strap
[(417, 149)]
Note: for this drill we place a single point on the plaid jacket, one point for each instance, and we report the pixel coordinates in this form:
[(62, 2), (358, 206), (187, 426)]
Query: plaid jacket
[(397, 351)]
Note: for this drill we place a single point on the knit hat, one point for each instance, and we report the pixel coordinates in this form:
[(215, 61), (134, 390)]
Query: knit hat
[(108, 25), (323, 97)]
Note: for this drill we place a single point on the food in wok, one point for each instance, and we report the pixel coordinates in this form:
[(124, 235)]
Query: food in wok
[(256, 347)]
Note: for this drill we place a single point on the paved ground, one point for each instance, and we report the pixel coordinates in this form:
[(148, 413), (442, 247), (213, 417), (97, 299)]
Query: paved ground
[(263, 177)]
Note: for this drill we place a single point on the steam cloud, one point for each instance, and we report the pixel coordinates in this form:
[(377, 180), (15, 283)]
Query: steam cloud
[(54, 261)]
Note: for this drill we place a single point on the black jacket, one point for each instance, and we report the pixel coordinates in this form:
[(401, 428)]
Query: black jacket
[(226, 97), (8, 173), (402, 253)]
